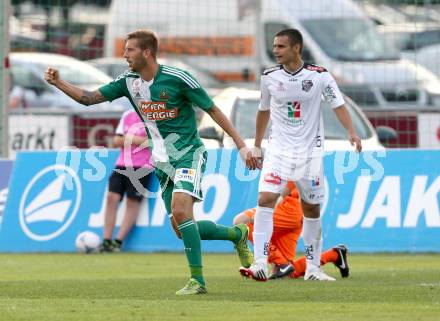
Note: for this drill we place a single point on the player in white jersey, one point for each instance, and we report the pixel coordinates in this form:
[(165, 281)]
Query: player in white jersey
[(291, 97)]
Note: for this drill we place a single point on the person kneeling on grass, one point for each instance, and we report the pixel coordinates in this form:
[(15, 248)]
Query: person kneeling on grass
[(288, 222)]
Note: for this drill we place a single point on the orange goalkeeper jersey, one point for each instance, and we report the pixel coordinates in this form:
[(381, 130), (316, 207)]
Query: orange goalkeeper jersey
[(288, 213)]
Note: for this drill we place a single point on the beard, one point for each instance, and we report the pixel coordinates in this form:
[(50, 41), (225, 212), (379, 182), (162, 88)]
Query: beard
[(137, 65)]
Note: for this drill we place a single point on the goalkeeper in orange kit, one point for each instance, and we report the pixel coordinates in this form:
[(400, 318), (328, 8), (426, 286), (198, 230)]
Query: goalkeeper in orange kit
[(288, 222)]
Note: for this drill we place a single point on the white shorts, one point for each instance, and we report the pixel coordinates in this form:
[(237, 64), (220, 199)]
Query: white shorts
[(307, 173)]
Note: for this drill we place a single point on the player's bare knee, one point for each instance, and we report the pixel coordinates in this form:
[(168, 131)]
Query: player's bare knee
[(181, 213), (311, 210), (113, 198), (133, 203), (267, 200)]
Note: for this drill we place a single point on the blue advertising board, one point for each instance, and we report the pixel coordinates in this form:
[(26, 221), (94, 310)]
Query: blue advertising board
[(376, 201), (387, 202), (46, 203), (5, 174)]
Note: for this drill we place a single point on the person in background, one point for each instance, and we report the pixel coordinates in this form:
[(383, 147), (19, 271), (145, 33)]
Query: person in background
[(134, 159), (19, 96)]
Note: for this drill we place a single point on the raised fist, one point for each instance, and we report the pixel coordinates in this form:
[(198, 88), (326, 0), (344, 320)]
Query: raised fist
[(52, 76)]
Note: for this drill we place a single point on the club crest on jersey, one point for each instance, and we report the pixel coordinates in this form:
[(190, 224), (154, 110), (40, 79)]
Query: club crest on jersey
[(164, 95), (157, 110), (307, 85)]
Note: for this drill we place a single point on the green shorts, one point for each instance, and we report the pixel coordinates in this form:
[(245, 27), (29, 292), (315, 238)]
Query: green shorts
[(184, 175)]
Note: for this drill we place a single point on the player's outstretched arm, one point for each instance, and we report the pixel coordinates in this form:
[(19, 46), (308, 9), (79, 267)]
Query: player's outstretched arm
[(345, 119), (260, 128), (85, 97), (245, 153), (129, 140)]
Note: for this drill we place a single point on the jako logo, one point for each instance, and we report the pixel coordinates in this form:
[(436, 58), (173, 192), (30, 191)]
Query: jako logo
[(50, 202)]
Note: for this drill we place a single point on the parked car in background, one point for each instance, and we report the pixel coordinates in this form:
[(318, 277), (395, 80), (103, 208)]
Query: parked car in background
[(241, 106), (391, 12), (23, 36), (28, 73), (382, 13), (428, 57), (113, 67), (337, 35), (411, 36)]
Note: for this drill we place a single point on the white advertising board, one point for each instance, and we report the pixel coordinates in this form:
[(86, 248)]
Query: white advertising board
[(37, 132), (429, 130)]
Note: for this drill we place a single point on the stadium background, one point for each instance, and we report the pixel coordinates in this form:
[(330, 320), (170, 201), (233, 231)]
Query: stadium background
[(383, 201), (226, 41)]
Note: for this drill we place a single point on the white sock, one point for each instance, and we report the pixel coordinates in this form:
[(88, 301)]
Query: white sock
[(312, 242), (263, 228)]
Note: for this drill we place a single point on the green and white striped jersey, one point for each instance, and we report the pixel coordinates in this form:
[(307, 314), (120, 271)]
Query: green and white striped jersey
[(165, 105)]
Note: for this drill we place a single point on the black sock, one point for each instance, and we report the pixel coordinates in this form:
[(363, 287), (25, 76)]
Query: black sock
[(118, 242)]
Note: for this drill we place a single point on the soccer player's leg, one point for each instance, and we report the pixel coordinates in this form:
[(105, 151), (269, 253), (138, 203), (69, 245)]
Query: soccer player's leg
[(336, 255), (312, 191), (282, 252), (116, 190), (188, 179), (135, 191), (237, 234), (263, 228), (180, 206), (270, 187), (182, 209), (340, 260)]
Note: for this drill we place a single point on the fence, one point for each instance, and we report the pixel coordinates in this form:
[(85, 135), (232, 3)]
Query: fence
[(383, 54)]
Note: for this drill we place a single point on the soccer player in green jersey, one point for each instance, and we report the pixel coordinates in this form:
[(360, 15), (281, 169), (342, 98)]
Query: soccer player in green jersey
[(163, 97)]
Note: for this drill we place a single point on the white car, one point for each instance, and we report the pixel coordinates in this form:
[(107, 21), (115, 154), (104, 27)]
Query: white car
[(222, 37), (113, 67), (428, 57), (411, 36), (28, 73), (241, 106)]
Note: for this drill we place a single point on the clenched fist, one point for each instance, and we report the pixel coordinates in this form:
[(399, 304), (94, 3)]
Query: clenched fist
[(52, 76)]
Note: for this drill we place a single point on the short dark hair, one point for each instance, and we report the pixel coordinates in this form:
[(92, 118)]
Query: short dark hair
[(146, 39), (295, 37)]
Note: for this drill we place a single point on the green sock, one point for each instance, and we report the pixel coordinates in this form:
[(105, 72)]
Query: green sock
[(191, 241), (211, 231)]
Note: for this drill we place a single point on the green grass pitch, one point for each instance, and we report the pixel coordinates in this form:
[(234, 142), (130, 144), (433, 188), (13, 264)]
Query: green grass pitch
[(135, 287)]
